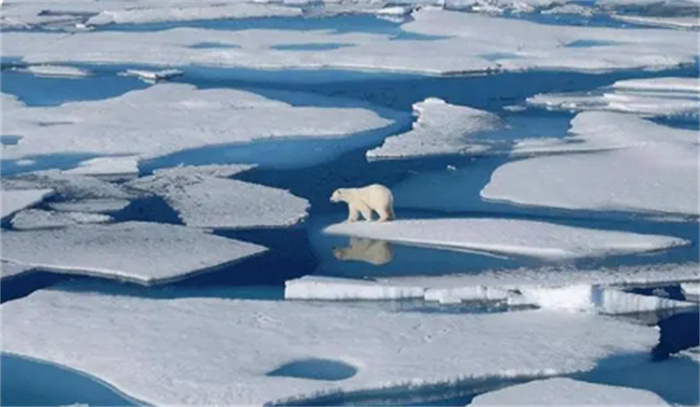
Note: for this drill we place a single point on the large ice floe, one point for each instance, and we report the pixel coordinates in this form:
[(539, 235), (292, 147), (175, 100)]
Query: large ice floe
[(258, 352), (205, 197), (15, 200), (132, 124), (137, 251), (466, 42), (40, 219), (441, 128), (654, 97), (510, 237), (649, 168), (564, 392), (67, 185), (571, 289)]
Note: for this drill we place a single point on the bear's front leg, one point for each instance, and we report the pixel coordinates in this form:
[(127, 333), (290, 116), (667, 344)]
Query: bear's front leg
[(366, 212), (353, 213)]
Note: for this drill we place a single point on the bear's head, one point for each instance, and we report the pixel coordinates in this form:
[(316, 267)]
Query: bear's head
[(339, 195)]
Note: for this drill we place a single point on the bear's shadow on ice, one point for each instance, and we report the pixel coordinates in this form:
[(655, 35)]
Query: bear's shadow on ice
[(375, 252)]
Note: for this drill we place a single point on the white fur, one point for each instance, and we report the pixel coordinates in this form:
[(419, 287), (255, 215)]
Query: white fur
[(365, 200)]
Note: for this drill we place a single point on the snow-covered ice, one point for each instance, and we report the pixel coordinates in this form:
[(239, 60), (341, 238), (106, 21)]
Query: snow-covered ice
[(466, 42), (652, 168), (40, 219), (441, 128), (333, 288), (139, 251), (165, 359), (67, 185), (58, 71), (564, 392), (153, 76), (90, 205), (510, 237), (108, 167), (15, 200), (658, 21), (667, 96), (205, 197), (691, 290), (9, 269), (132, 124)]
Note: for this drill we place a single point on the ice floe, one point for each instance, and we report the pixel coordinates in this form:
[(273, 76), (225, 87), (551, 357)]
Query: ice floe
[(40, 219), (464, 43), (132, 124), (15, 200), (659, 21), (139, 251), (510, 237), (111, 168), (55, 71), (565, 391), (651, 168), (9, 269), (153, 76), (205, 197), (653, 97), (271, 350), (90, 205), (67, 185), (441, 128)]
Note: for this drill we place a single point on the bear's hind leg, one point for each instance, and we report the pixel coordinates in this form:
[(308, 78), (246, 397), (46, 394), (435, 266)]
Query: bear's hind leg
[(386, 213)]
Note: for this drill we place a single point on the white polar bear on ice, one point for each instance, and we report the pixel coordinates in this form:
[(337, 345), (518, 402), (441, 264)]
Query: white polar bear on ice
[(375, 197)]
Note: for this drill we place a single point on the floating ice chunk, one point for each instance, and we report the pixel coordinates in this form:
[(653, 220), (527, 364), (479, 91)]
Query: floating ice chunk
[(441, 128), (331, 288), (9, 269), (67, 185), (15, 200), (564, 392), (132, 124), (511, 237), (651, 175), (691, 290), (39, 219), (108, 167), (653, 97), (153, 76), (55, 71), (203, 197), (143, 252), (164, 359), (151, 14), (90, 205)]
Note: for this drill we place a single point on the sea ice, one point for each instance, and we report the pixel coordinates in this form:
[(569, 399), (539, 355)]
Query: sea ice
[(652, 97), (9, 269), (67, 185), (464, 39), (650, 168), (204, 197), (132, 124), (40, 219), (164, 359), (55, 71), (15, 200), (510, 237), (441, 128), (658, 21), (153, 76), (564, 392), (111, 168), (90, 205), (142, 252)]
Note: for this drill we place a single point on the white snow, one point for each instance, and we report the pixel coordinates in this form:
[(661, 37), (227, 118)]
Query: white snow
[(333, 288), (205, 197), (9, 269), (143, 252), (652, 169), (667, 96), (55, 71), (108, 167), (441, 128), (469, 37), (15, 200), (153, 76), (90, 205), (691, 290), (565, 391), (165, 359), (658, 21), (40, 219), (132, 124), (511, 237)]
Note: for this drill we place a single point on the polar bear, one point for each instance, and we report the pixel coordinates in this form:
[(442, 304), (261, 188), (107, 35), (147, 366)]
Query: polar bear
[(375, 197)]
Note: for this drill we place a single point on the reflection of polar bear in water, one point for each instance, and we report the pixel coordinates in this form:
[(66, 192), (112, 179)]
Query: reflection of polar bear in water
[(371, 251), (375, 197)]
